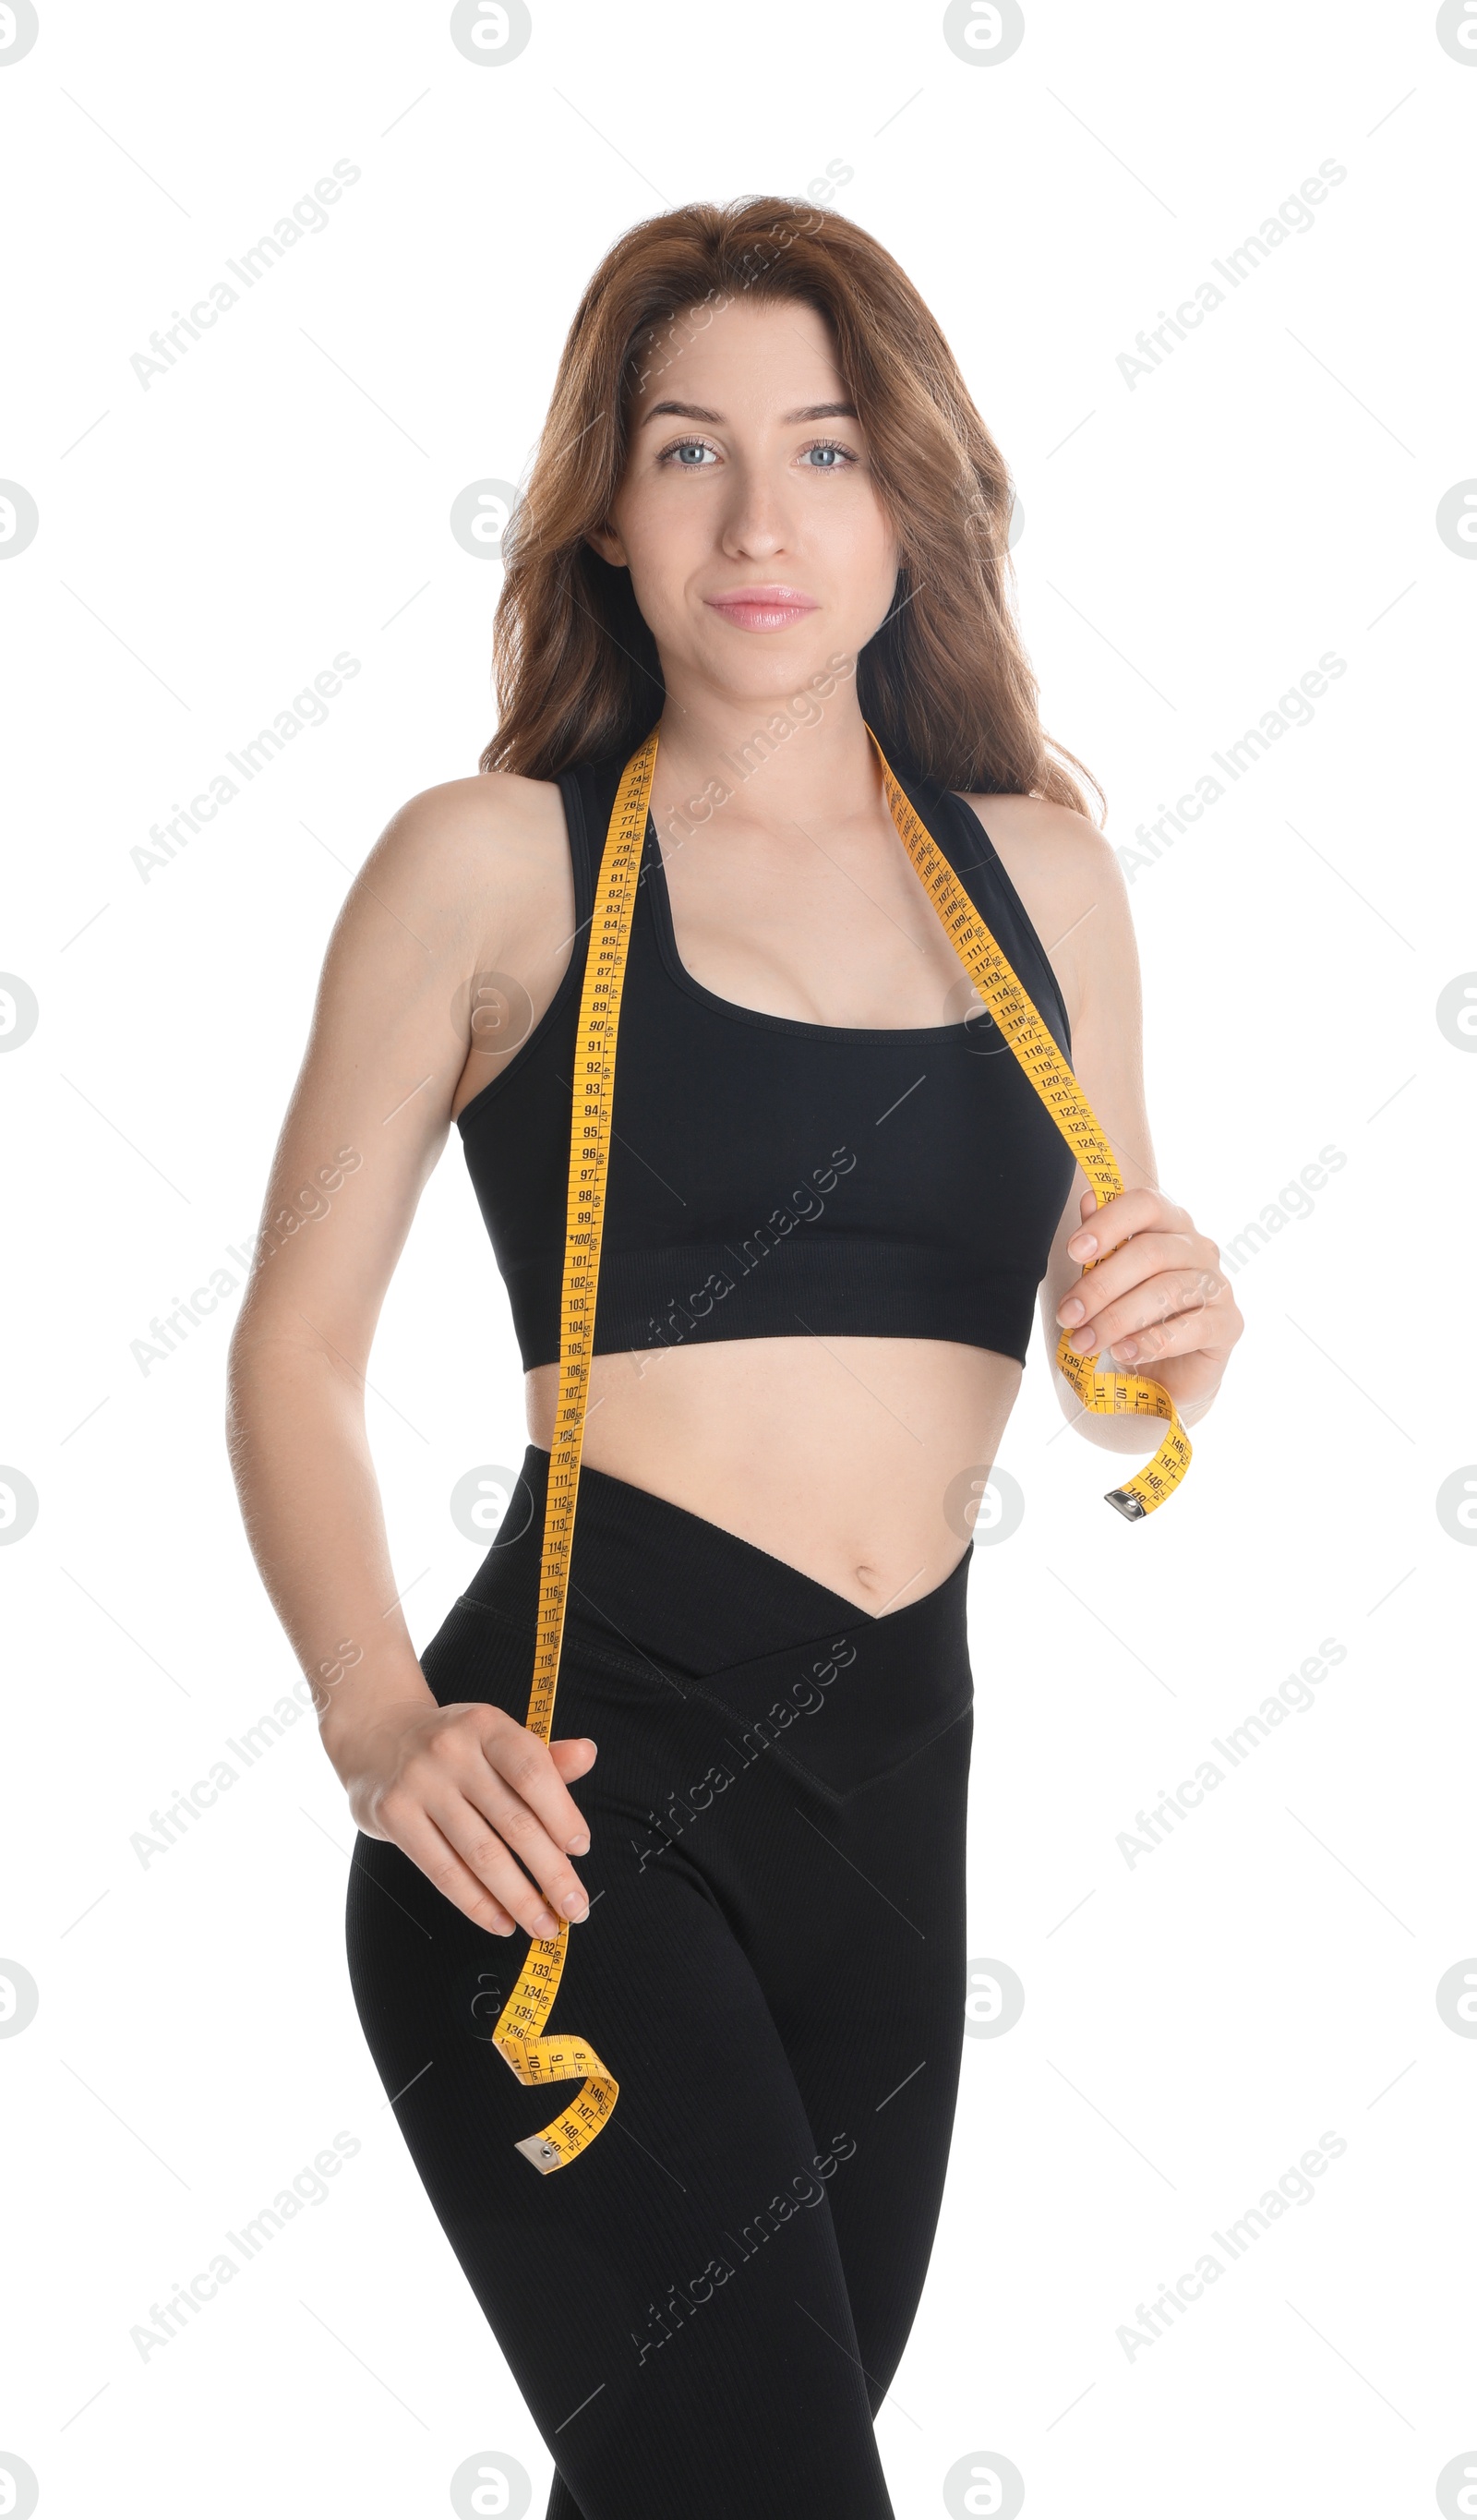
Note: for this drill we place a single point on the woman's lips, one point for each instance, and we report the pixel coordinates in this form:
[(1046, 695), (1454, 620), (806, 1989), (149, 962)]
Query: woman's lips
[(763, 608)]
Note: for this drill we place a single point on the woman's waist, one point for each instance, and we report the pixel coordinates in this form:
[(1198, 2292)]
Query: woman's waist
[(860, 1462), (673, 1621)]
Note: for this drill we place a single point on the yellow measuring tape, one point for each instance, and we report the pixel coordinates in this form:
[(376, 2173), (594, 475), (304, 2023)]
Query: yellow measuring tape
[(519, 2035), (1107, 1395)]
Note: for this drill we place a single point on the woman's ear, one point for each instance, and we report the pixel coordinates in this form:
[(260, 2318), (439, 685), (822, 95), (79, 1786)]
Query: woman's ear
[(605, 540)]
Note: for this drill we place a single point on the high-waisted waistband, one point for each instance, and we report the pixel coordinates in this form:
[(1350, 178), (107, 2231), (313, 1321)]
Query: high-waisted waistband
[(663, 1602), (681, 1586)]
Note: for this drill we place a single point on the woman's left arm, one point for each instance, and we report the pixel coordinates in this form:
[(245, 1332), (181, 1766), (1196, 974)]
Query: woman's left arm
[(1158, 1299)]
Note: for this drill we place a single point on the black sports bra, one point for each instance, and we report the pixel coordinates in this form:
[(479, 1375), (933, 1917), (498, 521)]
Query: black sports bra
[(768, 1178)]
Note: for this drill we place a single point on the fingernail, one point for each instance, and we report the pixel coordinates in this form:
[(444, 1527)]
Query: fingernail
[(1072, 1312), (1125, 1351), (576, 1904), (579, 1845), (548, 1927), (1082, 1245), (1082, 1340)]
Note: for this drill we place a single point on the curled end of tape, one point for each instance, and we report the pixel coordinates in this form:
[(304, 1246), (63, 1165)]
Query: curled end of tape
[(1133, 1508)]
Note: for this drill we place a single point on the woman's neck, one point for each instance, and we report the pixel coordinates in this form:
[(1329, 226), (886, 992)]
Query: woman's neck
[(802, 757)]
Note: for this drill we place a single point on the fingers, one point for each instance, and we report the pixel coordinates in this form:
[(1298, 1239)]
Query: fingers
[(492, 1821), (475, 1805), (486, 1850), (535, 1769), (451, 1842), (418, 1837), (1133, 1211), (1161, 1259), (519, 1762), (1167, 1314), (1183, 1335), (574, 1757)]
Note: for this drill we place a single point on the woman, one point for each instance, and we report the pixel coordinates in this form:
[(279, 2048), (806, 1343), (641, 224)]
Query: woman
[(765, 516)]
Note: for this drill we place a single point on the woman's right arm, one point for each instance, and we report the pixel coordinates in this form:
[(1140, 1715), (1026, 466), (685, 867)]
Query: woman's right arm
[(469, 874)]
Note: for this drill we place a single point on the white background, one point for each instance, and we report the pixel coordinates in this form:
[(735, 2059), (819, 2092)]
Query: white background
[(1191, 546)]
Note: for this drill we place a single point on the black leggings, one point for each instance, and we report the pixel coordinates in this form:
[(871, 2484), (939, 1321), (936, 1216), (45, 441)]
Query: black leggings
[(705, 2309)]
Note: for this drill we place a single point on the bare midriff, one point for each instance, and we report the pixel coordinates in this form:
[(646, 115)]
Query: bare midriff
[(851, 1459)]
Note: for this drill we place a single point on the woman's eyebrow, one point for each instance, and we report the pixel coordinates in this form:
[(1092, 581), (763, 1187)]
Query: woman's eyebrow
[(788, 420)]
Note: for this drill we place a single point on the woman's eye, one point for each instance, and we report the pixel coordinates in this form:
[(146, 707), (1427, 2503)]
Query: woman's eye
[(695, 455)]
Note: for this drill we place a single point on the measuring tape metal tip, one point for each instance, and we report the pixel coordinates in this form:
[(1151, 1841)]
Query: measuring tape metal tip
[(1133, 1508), (545, 2156)]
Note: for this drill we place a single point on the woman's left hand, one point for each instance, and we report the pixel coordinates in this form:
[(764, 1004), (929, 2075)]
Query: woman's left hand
[(1159, 1304)]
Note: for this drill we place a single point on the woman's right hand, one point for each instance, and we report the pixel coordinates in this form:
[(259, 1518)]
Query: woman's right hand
[(472, 1797)]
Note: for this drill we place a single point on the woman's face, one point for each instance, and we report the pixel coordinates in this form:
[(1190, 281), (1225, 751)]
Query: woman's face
[(748, 516)]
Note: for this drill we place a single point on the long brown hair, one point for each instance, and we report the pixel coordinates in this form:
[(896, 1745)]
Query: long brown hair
[(945, 680)]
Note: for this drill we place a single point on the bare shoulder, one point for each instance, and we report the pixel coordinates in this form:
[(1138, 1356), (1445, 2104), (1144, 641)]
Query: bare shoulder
[(493, 844), (1059, 851), (465, 903), (1069, 880)]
